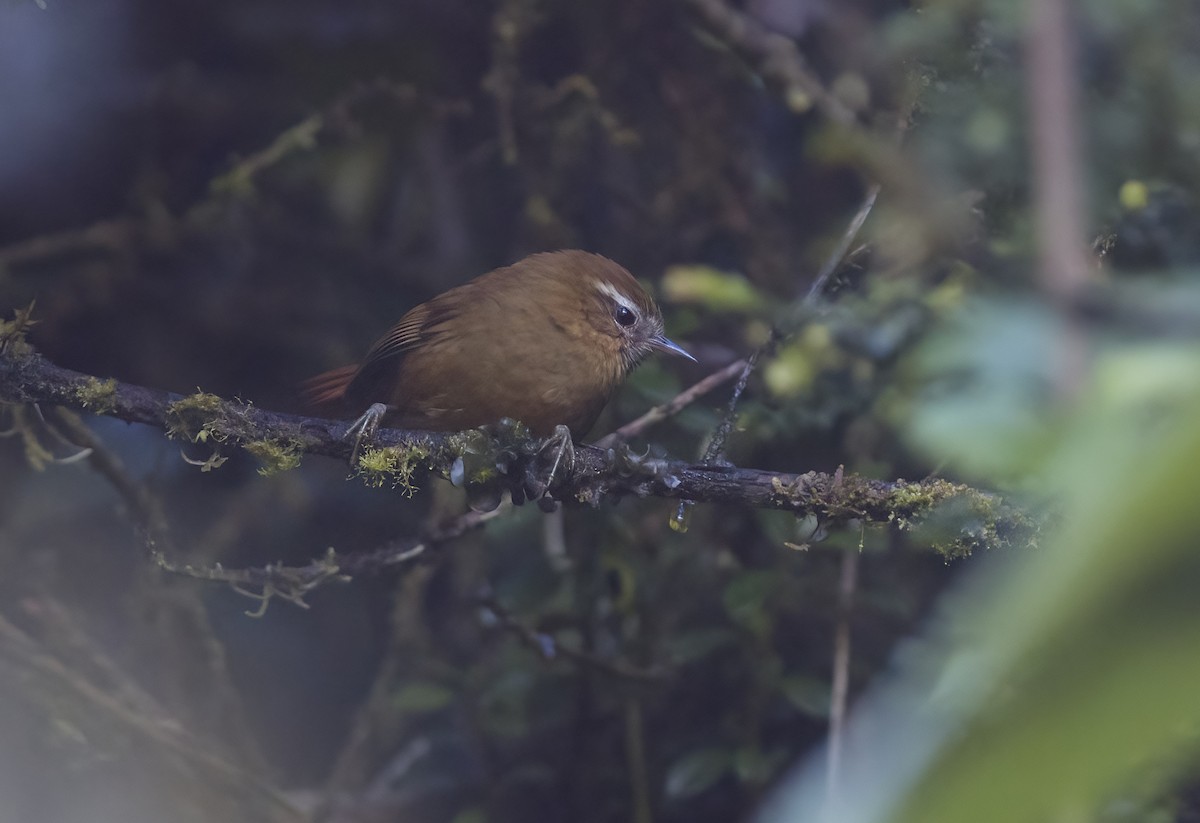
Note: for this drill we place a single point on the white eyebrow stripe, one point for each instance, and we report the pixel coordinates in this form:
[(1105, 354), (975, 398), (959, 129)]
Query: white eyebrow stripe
[(612, 291)]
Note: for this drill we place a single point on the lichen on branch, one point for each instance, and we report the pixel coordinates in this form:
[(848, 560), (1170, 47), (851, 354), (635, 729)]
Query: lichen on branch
[(508, 455)]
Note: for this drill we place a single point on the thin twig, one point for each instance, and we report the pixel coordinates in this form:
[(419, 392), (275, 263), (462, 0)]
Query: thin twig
[(293, 583), (554, 540), (685, 398), (775, 57), (144, 508), (105, 236), (122, 235), (549, 649), (61, 636), (835, 258), (21, 650), (716, 446), (678, 403), (303, 135), (511, 23), (378, 710), (635, 759), (840, 687)]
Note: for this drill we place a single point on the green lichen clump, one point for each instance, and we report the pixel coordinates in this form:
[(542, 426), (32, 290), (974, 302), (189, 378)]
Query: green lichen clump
[(910, 501), (196, 417), (957, 520), (394, 465), (12, 332), (275, 455), (478, 452), (953, 519), (97, 395)]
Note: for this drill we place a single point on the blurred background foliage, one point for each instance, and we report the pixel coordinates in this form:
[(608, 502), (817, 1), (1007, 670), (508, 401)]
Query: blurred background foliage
[(237, 195)]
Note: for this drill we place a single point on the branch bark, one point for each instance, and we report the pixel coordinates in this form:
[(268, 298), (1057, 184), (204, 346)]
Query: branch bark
[(596, 474)]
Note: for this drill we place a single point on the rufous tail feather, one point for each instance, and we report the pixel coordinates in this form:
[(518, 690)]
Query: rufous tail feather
[(328, 387)]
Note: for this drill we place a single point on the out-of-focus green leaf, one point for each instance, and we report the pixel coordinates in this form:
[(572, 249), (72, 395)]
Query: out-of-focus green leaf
[(745, 599), (796, 366), (716, 290), (755, 767), (695, 645), (697, 771), (503, 705), (808, 694), (421, 697), (1064, 674), (790, 372), (1098, 663), (986, 389), (1148, 376)]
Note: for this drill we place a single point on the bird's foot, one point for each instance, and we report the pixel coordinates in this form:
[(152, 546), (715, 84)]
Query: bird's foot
[(363, 429), (562, 447), (564, 457)]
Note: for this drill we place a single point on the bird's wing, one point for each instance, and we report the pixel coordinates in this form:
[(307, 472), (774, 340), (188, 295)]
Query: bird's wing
[(416, 328), (332, 386)]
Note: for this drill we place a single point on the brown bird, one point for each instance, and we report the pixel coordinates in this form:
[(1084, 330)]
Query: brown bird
[(544, 341)]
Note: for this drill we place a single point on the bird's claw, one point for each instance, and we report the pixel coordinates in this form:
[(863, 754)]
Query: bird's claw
[(363, 429), (625, 461), (565, 456), (563, 448)]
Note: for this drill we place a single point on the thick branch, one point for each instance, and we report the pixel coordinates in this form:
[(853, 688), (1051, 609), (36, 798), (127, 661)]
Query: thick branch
[(595, 475)]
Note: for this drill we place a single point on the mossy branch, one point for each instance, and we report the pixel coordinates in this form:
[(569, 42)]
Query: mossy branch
[(970, 519)]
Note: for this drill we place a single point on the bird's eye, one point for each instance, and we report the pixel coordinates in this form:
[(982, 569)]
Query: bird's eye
[(624, 316)]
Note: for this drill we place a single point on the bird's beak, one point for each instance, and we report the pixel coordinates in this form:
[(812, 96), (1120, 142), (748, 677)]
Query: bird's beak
[(661, 343)]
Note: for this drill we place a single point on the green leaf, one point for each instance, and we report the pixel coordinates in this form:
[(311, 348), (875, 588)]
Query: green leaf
[(419, 697), (984, 397), (1097, 670), (504, 705), (1054, 679), (745, 599), (688, 647), (808, 694), (756, 767), (714, 289), (697, 771)]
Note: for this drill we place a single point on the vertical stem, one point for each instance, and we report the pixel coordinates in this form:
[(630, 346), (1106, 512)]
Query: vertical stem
[(554, 540), (635, 757), (1052, 86), (840, 689)]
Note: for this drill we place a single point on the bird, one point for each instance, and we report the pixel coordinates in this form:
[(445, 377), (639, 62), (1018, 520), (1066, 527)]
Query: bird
[(544, 341)]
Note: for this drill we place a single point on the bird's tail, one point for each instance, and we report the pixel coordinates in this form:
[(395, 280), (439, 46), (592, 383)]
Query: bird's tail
[(328, 389)]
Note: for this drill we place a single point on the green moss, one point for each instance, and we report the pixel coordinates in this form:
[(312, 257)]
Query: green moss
[(472, 441), (394, 465), (483, 474), (960, 520), (913, 500), (196, 417), (955, 520), (97, 395), (275, 455), (12, 332), (198, 402), (479, 450)]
